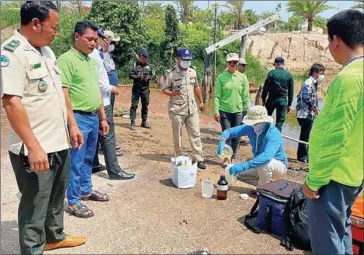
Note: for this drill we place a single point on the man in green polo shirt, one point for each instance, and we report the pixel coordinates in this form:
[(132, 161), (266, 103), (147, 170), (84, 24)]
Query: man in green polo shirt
[(278, 87), (336, 142), (80, 80)]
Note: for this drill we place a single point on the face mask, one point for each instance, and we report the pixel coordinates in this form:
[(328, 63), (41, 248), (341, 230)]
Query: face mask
[(185, 64), (111, 47), (258, 128), (321, 78)]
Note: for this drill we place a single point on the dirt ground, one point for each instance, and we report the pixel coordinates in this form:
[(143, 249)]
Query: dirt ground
[(148, 214)]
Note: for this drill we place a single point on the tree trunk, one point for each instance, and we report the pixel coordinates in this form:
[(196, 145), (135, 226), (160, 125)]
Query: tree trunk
[(309, 26)]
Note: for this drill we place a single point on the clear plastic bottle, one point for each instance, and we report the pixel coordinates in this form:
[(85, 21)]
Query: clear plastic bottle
[(222, 188)]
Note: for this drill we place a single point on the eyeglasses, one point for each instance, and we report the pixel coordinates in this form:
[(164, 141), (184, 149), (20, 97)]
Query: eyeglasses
[(232, 62)]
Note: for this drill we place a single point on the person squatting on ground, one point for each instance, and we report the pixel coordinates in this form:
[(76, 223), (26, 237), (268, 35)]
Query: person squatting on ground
[(335, 176), (141, 75), (181, 86), (80, 81), (270, 160), (278, 86), (307, 108), (38, 139), (108, 141), (231, 99)]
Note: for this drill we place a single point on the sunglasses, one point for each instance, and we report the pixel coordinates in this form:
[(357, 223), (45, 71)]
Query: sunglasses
[(232, 62)]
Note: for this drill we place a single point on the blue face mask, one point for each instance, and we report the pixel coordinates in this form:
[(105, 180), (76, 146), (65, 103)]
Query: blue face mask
[(259, 128)]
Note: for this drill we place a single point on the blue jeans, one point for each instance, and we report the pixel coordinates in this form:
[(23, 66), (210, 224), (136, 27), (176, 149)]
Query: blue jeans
[(230, 120), (329, 219), (80, 183)]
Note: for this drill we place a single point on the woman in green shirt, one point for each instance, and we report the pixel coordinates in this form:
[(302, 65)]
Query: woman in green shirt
[(231, 99)]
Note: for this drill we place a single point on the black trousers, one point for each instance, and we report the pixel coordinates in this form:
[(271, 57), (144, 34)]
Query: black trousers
[(143, 94), (40, 213), (306, 126)]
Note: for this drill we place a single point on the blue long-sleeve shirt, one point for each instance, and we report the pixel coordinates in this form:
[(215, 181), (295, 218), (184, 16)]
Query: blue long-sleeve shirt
[(265, 147)]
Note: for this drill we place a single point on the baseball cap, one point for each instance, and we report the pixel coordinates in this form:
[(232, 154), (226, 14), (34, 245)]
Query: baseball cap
[(100, 32), (279, 60), (110, 34), (242, 61), (232, 57), (184, 53), (144, 53)]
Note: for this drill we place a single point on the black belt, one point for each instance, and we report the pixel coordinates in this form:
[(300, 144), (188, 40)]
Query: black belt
[(86, 113)]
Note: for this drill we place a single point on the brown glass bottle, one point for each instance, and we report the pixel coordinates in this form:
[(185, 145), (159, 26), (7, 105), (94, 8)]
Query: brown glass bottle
[(222, 188)]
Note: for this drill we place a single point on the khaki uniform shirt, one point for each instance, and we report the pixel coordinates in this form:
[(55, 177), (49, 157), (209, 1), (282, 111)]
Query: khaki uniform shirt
[(34, 76), (185, 103)]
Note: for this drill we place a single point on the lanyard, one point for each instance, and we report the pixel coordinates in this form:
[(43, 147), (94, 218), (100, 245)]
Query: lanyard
[(354, 59)]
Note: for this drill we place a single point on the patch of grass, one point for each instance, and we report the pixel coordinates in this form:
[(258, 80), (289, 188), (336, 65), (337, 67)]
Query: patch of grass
[(300, 76)]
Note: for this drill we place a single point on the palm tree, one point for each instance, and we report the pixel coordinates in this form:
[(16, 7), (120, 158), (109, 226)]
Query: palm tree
[(359, 4), (237, 7), (307, 9), (186, 10)]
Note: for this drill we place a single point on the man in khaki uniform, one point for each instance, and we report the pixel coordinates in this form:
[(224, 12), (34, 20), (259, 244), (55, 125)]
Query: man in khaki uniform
[(182, 86), (38, 142)]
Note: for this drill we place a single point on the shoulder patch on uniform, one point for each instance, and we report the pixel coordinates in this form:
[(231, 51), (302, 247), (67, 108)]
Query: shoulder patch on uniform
[(4, 61), (12, 45)]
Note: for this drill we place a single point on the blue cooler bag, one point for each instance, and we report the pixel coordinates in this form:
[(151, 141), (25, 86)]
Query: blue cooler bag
[(273, 211)]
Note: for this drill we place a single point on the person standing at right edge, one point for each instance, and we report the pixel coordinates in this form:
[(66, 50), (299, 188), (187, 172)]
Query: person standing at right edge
[(141, 76), (181, 86), (336, 151), (278, 86)]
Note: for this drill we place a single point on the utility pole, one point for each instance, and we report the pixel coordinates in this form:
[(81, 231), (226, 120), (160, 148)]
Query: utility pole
[(215, 36)]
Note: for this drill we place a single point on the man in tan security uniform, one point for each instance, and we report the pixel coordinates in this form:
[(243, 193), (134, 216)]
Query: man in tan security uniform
[(38, 143), (182, 86)]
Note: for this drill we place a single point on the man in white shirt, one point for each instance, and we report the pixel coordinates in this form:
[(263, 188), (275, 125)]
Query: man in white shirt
[(108, 141)]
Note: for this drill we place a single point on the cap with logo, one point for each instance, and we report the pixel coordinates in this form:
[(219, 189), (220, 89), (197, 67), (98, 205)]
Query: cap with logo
[(242, 61), (184, 53), (232, 57), (279, 60), (110, 34), (144, 53)]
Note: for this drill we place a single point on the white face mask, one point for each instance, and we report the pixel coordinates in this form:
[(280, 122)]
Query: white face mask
[(258, 128), (185, 63), (321, 78), (111, 47)]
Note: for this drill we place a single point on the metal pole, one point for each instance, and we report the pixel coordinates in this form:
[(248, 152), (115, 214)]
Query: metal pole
[(293, 139), (215, 35)]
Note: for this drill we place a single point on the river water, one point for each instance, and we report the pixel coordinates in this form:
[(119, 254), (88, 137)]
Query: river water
[(291, 127)]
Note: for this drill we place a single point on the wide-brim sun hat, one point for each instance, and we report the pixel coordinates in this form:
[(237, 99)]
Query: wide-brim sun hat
[(110, 34), (257, 114)]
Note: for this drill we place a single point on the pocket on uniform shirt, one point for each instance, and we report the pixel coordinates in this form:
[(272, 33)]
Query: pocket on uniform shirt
[(37, 79)]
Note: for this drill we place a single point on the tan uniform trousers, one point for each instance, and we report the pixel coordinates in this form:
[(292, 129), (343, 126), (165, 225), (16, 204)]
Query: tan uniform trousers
[(192, 123)]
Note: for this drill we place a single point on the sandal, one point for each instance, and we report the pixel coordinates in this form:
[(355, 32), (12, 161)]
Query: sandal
[(117, 147), (96, 196), (80, 211)]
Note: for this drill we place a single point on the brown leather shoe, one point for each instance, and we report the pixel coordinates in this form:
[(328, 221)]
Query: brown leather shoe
[(69, 241)]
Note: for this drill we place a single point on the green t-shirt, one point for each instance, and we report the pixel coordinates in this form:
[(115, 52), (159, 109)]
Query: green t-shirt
[(231, 93), (79, 74), (336, 139)]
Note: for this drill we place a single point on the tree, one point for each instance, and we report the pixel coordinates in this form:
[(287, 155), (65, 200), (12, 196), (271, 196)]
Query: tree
[(124, 19), (205, 16), (295, 23), (250, 17), (267, 14), (320, 22), (186, 10), (307, 9), (225, 20), (236, 7), (359, 4), (171, 33)]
